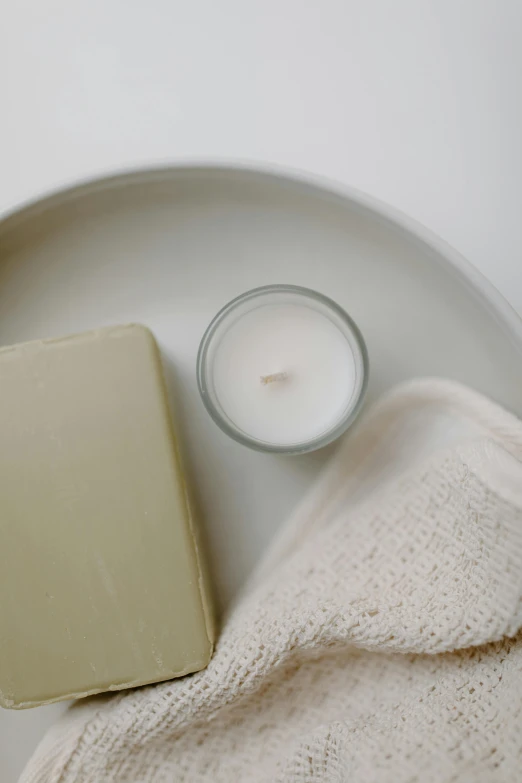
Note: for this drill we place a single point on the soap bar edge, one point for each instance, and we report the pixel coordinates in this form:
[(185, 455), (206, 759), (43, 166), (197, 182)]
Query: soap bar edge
[(201, 565), (9, 704)]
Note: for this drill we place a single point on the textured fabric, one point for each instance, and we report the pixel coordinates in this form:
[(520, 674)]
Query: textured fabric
[(378, 641)]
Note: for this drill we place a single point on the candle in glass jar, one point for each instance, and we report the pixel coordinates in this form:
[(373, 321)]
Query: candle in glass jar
[(282, 369)]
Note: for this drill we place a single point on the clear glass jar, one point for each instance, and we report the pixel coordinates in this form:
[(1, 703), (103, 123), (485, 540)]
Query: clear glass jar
[(280, 299)]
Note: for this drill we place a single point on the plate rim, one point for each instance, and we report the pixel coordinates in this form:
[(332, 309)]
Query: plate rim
[(457, 264)]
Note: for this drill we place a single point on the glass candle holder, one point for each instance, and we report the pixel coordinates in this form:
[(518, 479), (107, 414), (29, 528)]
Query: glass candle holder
[(282, 369)]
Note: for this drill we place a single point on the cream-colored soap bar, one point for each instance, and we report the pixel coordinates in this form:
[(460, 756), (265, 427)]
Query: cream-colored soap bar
[(100, 581)]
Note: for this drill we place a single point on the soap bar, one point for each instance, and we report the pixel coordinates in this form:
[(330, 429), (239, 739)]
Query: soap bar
[(101, 584)]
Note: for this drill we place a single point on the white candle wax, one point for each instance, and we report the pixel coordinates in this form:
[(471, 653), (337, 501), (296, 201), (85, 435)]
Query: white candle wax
[(284, 373)]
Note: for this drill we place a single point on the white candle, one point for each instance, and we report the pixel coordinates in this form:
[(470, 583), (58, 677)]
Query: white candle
[(284, 368)]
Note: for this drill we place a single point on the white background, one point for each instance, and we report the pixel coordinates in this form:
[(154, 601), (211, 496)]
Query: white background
[(417, 102)]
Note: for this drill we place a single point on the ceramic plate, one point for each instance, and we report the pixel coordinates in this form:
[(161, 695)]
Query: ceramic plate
[(169, 247)]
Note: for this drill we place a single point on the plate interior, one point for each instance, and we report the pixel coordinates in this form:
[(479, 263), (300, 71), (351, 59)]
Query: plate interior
[(169, 249)]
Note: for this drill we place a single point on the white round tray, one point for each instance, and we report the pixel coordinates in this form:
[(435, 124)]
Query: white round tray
[(169, 247)]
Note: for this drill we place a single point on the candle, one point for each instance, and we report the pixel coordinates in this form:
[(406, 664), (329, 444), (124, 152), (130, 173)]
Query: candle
[(282, 369)]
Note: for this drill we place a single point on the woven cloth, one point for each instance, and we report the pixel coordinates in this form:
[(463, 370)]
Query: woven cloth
[(378, 641)]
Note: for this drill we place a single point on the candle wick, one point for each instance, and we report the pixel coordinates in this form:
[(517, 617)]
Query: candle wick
[(276, 376)]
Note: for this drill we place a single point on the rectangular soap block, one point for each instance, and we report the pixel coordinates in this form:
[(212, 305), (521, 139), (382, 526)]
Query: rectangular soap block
[(101, 586)]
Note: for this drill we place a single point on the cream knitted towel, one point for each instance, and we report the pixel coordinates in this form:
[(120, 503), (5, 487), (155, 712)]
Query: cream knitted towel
[(378, 642)]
